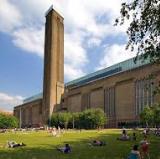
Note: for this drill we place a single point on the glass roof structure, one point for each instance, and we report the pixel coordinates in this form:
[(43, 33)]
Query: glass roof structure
[(32, 98), (107, 72)]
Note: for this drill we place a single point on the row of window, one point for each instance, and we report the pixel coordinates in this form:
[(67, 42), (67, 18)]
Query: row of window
[(143, 97), (109, 100), (143, 94)]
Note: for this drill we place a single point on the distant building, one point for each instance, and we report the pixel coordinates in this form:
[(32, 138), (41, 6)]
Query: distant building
[(121, 90)]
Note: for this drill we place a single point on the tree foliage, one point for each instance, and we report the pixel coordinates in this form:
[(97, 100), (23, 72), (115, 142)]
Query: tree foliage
[(92, 118), (8, 121), (61, 119), (88, 119), (144, 29), (147, 115), (151, 115), (156, 110)]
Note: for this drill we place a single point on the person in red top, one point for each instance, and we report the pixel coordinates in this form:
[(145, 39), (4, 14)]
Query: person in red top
[(145, 148)]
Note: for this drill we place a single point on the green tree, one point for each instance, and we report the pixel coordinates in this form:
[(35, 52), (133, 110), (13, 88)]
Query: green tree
[(75, 122), (64, 119), (100, 118), (2, 121), (54, 120), (12, 121), (147, 116), (156, 110), (8, 121), (92, 118), (88, 119), (61, 119), (144, 29)]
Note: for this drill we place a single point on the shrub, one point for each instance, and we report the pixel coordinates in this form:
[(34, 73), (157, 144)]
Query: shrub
[(92, 118), (75, 120), (100, 118), (61, 119), (8, 121), (54, 120), (156, 116), (88, 119), (64, 119), (147, 116), (151, 115)]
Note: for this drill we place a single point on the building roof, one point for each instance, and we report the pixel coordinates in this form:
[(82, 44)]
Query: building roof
[(32, 98), (107, 72)]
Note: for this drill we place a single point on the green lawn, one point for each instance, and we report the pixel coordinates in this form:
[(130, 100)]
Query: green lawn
[(41, 145)]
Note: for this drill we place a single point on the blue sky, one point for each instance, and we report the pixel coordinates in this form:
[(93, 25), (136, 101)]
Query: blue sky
[(91, 43)]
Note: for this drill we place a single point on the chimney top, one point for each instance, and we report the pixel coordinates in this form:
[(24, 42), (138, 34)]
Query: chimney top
[(50, 8)]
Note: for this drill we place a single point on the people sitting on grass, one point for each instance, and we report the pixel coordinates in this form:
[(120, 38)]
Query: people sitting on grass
[(145, 148), (54, 131), (98, 143), (134, 137), (13, 144), (124, 131), (157, 132), (124, 136), (134, 154), (3, 130), (66, 149), (146, 131)]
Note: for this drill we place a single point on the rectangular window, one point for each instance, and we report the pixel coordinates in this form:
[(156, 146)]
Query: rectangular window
[(110, 101), (85, 101), (143, 94)]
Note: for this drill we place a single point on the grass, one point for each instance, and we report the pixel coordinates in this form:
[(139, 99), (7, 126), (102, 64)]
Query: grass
[(41, 145)]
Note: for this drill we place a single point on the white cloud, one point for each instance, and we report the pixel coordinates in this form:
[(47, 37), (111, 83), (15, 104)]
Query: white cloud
[(72, 72), (7, 102), (114, 54), (86, 22), (75, 56), (94, 42), (33, 11), (30, 40), (9, 15)]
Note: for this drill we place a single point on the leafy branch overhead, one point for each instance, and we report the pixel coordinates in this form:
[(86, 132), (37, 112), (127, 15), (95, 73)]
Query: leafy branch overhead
[(144, 29)]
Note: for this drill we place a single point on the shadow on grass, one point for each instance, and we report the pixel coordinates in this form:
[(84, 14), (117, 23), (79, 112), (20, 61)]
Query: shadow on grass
[(114, 149)]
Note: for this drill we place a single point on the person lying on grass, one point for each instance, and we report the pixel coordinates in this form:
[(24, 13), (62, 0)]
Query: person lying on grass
[(135, 154), (97, 143), (13, 144), (66, 149)]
